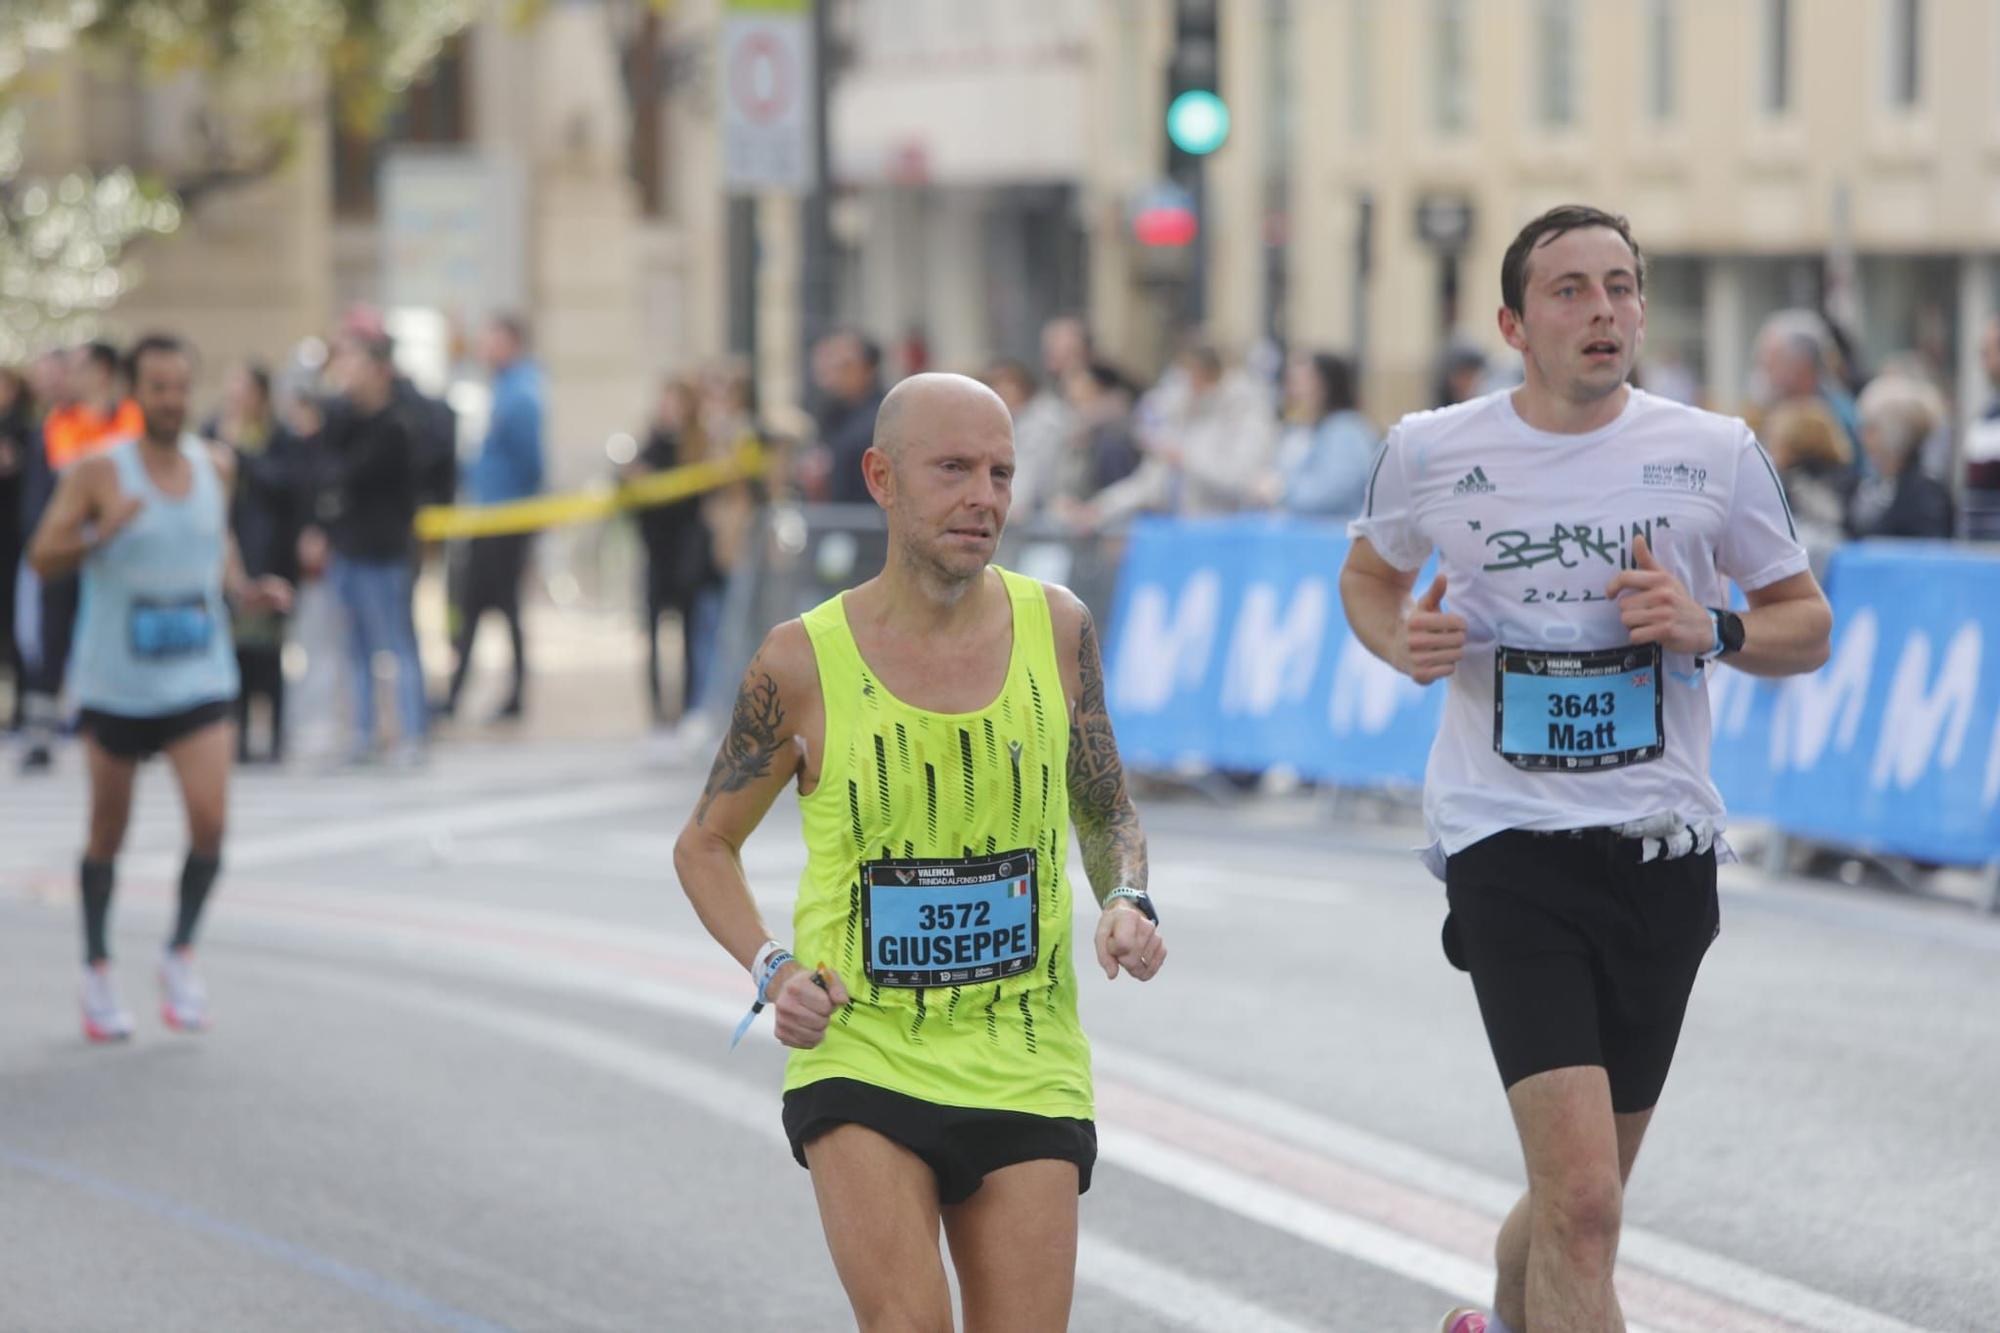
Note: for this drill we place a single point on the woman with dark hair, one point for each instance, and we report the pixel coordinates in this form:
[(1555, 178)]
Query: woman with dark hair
[(1324, 453), (266, 513), (1107, 446), (680, 556)]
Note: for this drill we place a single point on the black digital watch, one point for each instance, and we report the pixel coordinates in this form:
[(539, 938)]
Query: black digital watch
[(1728, 631)]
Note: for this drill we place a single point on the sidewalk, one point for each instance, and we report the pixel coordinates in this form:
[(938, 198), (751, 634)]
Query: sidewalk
[(586, 675)]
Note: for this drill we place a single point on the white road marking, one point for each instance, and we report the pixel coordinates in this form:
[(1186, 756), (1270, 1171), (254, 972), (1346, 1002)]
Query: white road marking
[(688, 975), (1184, 1301), (1779, 1296)]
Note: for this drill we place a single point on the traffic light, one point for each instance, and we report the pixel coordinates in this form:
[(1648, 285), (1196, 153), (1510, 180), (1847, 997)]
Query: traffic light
[(1197, 122), (1197, 115)]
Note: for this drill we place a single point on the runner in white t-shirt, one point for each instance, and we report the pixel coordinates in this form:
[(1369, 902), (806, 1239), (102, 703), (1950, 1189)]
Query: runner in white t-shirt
[(1584, 530)]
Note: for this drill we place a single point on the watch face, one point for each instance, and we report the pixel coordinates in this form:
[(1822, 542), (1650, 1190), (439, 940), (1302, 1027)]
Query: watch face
[(1731, 626)]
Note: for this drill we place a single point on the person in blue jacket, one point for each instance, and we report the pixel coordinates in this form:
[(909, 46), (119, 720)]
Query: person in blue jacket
[(510, 467)]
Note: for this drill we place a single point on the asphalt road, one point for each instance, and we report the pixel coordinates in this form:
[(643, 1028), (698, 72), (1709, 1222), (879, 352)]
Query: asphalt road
[(469, 1071)]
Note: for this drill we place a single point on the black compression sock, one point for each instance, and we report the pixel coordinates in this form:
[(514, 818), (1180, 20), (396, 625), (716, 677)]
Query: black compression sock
[(96, 877), (197, 878)]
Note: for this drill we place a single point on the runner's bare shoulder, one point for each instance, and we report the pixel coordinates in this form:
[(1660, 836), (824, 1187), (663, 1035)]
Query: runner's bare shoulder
[(1067, 618)]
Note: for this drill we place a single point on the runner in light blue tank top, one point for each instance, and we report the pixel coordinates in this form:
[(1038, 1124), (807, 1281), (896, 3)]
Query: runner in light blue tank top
[(152, 634), (153, 670)]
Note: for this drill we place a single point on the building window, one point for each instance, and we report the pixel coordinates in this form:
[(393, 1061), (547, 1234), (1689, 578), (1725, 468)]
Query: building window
[(437, 110), (1905, 51), (1451, 66), (1361, 67), (1663, 60), (1555, 38), (645, 92), (1776, 65)]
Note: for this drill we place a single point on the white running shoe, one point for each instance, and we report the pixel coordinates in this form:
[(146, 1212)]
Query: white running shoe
[(183, 999), (104, 1019)]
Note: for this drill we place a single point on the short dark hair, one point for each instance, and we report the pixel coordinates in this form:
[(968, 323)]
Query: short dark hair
[(516, 327), (161, 343), (1563, 218), (377, 347), (260, 375), (104, 354), (1336, 382), (1111, 379)]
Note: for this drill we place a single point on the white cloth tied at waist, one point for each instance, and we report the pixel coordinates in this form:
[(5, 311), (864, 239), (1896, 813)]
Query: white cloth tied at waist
[(1667, 837)]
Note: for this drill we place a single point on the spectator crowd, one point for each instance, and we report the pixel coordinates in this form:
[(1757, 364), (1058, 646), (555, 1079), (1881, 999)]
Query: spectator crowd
[(337, 449)]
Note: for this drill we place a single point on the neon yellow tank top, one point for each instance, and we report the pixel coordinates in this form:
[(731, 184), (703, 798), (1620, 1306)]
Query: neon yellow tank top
[(901, 793)]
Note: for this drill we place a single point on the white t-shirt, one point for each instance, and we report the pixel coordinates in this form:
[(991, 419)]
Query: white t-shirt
[(1530, 527)]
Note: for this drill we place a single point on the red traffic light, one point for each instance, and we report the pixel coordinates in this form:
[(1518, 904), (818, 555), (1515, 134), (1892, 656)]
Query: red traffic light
[(1166, 226)]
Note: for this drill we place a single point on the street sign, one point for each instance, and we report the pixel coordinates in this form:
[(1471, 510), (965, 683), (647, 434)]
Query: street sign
[(767, 96), (1444, 222), (454, 232)]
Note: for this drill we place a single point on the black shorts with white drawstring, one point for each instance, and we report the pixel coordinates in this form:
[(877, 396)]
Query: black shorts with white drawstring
[(1580, 953)]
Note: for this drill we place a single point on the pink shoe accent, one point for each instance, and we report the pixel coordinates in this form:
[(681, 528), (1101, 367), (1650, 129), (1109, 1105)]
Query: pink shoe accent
[(1464, 1321)]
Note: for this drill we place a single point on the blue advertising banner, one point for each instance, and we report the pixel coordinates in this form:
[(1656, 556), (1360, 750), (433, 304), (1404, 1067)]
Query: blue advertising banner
[(1230, 649), (1894, 744)]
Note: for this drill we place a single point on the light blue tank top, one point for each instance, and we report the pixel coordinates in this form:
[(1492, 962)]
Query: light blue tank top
[(152, 631)]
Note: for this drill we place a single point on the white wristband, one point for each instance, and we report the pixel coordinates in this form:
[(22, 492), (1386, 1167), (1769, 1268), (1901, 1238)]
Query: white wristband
[(763, 956)]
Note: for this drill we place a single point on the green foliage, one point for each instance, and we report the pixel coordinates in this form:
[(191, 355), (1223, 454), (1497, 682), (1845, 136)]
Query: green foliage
[(63, 241)]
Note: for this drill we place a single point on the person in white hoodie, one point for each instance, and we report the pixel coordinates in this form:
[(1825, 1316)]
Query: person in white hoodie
[(1208, 444)]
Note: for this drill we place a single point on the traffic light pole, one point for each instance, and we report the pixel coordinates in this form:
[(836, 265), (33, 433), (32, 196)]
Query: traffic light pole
[(1195, 302), (816, 280)]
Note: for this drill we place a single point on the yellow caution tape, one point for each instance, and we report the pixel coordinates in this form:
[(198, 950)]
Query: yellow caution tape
[(443, 522)]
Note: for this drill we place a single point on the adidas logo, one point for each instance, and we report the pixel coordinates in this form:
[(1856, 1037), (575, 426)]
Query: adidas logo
[(1474, 483)]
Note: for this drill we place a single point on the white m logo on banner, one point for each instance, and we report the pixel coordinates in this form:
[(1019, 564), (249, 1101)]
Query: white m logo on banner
[(1808, 706), (1913, 718), (1272, 661), (1162, 650)]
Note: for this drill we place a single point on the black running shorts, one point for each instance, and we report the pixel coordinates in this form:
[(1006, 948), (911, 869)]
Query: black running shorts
[(1579, 953), (143, 737), (959, 1144)]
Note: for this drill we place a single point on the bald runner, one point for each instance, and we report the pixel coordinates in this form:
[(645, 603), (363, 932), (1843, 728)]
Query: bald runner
[(944, 725)]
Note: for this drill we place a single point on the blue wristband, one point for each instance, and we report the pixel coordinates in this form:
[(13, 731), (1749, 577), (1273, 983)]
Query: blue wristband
[(770, 970)]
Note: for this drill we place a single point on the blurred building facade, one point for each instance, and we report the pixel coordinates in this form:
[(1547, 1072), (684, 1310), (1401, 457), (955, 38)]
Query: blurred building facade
[(1843, 154), (566, 169), (988, 159)]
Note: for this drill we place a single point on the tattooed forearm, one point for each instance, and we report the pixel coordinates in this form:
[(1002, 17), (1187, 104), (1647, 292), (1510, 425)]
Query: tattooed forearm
[(1107, 825), (755, 734)]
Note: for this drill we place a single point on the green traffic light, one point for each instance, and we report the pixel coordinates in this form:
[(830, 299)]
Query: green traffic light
[(1198, 122)]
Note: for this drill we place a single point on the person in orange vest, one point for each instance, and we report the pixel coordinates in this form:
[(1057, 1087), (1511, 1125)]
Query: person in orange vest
[(92, 414), (102, 414)]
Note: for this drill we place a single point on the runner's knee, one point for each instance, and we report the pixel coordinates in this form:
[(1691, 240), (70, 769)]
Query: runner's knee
[(903, 1312), (205, 830), (1581, 1212), (107, 830)]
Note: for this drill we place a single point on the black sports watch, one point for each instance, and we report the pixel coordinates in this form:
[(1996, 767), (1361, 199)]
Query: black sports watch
[(1139, 898), (1728, 633)]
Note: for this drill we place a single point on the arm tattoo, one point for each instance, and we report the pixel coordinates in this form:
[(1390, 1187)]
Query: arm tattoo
[(753, 740), (1107, 826)]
